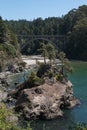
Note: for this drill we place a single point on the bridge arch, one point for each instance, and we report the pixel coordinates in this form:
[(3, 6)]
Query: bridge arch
[(34, 39), (57, 40)]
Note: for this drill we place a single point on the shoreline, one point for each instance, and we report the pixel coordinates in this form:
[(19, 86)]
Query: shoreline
[(78, 61), (32, 60)]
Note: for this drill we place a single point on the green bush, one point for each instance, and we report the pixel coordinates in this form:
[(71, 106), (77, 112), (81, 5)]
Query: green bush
[(7, 125), (34, 80), (59, 77), (4, 125), (50, 74), (43, 68), (22, 64), (1, 47), (9, 49)]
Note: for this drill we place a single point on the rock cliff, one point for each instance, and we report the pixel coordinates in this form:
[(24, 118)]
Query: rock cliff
[(45, 101)]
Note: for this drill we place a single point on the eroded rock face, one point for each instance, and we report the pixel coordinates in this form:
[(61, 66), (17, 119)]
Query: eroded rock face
[(46, 101)]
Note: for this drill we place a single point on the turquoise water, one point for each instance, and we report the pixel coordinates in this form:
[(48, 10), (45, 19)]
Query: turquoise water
[(17, 78), (77, 114), (79, 80)]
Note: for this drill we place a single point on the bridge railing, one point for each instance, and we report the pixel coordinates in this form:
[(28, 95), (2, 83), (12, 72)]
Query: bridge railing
[(42, 36)]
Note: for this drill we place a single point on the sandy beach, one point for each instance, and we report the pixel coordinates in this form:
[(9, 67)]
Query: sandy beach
[(31, 60)]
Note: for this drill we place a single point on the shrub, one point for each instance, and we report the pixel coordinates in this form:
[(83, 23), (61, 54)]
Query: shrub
[(34, 80), (6, 125), (8, 49), (59, 77), (43, 68), (50, 74), (22, 64)]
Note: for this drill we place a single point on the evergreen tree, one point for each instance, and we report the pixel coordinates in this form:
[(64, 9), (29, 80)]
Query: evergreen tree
[(65, 64), (51, 52)]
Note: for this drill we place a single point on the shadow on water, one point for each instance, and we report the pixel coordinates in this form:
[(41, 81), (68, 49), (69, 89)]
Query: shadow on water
[(56, 124)]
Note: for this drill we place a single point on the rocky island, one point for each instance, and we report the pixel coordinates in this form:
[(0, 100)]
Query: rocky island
[(46, 101), (44, 94)]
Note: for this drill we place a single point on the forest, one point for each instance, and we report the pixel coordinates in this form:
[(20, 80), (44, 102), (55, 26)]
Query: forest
[(72, 25)]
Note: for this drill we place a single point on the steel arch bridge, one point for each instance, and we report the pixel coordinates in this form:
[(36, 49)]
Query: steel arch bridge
[(56, 40)]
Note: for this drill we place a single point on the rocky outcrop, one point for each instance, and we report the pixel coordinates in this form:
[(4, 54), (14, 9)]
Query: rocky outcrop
[(45, 101), (3, 95)]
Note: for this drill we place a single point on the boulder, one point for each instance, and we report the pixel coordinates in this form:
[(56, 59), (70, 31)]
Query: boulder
[(45, 101), (3, 95)]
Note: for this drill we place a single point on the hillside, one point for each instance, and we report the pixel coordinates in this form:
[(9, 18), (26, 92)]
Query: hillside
[(73, 25), (9, 48)]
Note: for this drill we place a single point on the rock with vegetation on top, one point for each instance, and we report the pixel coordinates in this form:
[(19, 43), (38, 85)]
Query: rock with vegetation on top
[(45, 101)]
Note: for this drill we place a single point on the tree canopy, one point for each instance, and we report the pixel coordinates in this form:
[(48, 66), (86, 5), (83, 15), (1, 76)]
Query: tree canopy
[(73, 25), (9, 47)]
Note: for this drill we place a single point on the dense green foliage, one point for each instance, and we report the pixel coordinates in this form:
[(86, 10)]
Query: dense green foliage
[(65, 64), (51, 69), (73, 25), (7, 36), (43, 69), (48, 51), (9, 47), (6, 124), (34, 80), (77, 42)]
